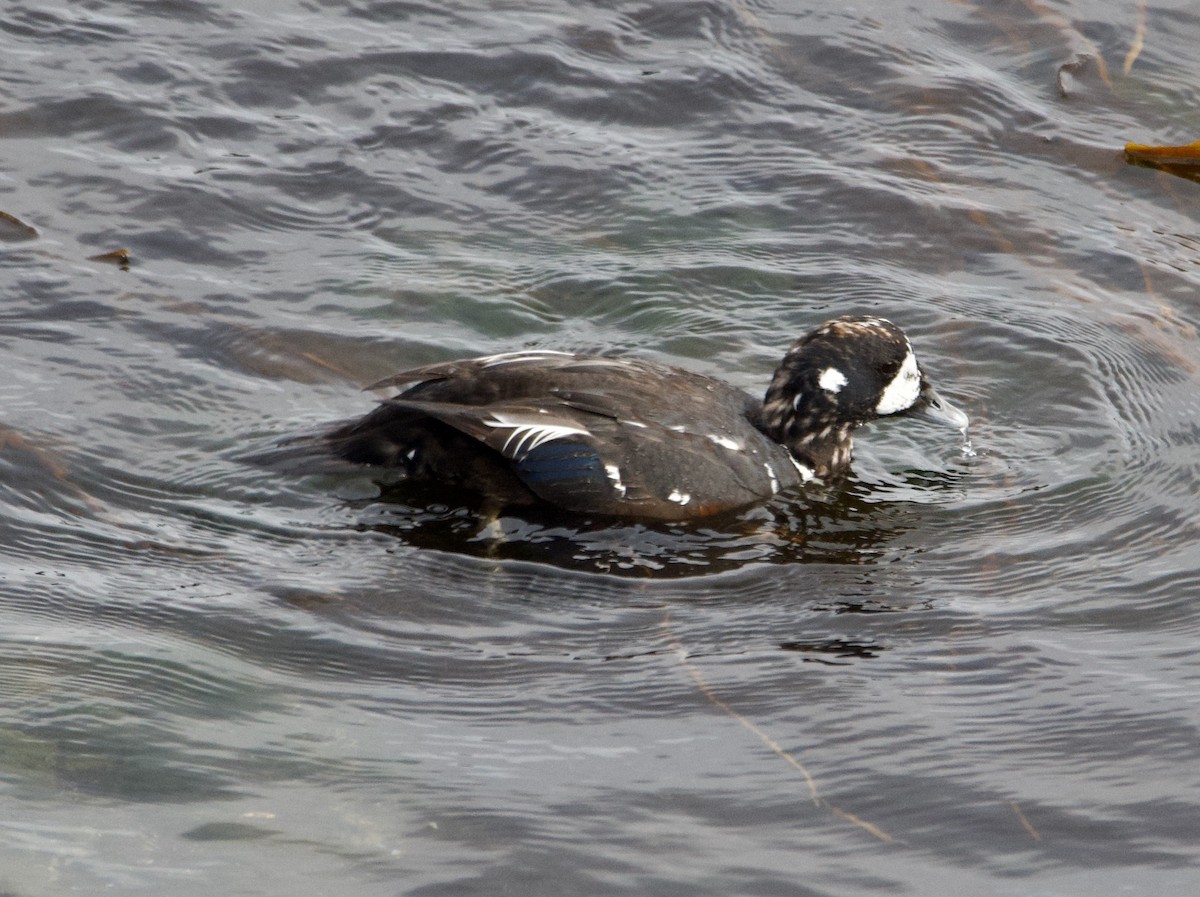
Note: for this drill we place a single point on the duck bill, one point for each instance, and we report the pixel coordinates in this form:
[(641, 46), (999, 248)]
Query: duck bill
[(933, 407)]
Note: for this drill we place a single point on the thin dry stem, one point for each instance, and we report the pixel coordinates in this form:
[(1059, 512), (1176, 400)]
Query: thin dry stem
[(1139, 38), (707, 690)]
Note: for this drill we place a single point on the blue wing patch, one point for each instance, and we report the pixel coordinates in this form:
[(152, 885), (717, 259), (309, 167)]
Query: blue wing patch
[(563, 464)]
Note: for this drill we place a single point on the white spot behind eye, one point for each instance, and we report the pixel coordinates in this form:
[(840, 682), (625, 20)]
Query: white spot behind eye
[(831, 380), (902, 392)]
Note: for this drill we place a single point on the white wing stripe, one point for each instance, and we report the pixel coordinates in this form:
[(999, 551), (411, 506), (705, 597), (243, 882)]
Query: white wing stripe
[(527, 436), (491, 361)]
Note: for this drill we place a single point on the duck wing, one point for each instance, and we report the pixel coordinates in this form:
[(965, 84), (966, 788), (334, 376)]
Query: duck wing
[(579, 455), (590, 434)]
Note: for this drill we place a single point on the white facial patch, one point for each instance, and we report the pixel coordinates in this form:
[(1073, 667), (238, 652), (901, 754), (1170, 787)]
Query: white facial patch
[(901, 394), (831, 380)]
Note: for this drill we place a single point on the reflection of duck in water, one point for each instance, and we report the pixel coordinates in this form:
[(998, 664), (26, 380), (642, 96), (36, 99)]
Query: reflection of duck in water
[(629, 438)]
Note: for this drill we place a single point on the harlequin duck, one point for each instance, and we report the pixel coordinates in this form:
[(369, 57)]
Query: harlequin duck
[(629, 438)]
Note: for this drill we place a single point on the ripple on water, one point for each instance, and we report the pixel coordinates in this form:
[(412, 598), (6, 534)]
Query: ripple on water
[(987, 658)]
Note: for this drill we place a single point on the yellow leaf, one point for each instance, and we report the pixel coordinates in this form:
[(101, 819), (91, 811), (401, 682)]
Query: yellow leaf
[(1183, 161)]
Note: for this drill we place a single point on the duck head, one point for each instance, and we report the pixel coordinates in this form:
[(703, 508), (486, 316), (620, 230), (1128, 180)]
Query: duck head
[(847, 372)]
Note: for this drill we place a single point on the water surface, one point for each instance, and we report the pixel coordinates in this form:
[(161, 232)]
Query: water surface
[(948, 675)]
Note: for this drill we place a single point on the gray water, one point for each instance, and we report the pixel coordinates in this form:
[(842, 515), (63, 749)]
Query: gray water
[(950, 675)]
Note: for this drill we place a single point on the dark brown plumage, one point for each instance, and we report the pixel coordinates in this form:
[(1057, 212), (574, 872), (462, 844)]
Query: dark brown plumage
[(632, 438)]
